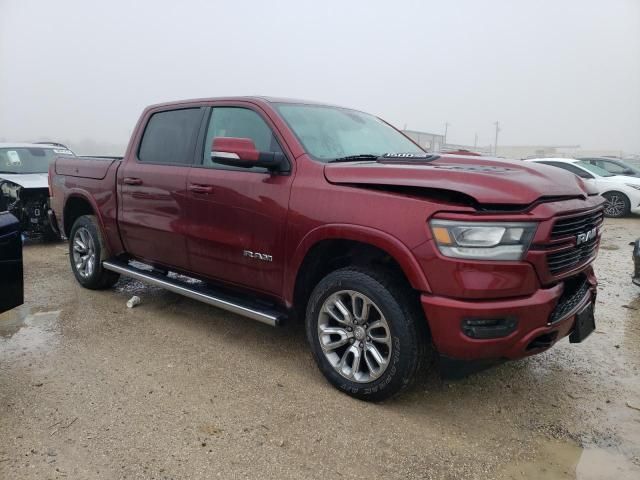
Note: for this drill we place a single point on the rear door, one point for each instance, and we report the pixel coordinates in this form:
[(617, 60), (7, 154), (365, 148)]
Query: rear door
[(152, 182), (236, 215)]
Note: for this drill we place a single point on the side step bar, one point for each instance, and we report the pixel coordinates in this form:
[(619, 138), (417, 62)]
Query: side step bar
[(202, 293)]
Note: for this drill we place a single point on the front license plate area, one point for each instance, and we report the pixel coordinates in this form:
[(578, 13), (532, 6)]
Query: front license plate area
[(585, 324)]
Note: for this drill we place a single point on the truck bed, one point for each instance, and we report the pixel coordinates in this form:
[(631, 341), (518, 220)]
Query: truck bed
[(85, 167)]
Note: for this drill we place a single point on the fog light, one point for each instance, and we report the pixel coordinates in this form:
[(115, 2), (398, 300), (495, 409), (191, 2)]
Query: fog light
[(483, 328)]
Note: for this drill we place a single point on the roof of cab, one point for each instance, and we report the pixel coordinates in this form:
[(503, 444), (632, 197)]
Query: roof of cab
[(249, 98)]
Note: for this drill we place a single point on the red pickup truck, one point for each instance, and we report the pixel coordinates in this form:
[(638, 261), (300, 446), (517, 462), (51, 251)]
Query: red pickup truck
[(284, 208)]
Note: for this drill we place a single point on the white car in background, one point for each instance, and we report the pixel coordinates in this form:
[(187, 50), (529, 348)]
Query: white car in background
[(622, 193), (24, 185)]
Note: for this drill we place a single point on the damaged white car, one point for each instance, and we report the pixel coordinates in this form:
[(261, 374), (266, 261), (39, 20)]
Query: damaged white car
[(24, 185)]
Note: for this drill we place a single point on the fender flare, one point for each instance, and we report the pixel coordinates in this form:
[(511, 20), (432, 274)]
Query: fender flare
[(377, 238), (75, 192)]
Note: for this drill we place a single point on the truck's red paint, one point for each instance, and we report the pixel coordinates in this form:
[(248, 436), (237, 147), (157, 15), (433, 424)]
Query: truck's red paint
[(532, 312), (486, 181), (199, 221)]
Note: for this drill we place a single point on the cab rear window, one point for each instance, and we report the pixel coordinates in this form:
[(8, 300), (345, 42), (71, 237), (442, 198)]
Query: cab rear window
[(170, 136)]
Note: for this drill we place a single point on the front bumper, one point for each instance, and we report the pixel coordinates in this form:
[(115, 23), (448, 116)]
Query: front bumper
[(542, 319)]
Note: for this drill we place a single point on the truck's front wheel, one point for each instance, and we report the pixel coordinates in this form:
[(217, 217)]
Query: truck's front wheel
[(87, 250), (364, 333)]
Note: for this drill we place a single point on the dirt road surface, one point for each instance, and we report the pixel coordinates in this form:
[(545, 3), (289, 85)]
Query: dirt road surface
[(174, 389)]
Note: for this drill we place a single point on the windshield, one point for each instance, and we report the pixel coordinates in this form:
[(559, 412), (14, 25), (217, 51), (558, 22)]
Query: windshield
[(330, 132), (601, 172), (28, 160), (633, 163)]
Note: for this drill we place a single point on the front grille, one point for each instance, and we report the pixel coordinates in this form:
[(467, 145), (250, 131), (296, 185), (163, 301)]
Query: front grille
[(568, 226), (574, 292), (567, 259)]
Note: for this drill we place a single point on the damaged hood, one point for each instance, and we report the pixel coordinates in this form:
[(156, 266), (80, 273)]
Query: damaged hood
[(487, 181), (27, 180)]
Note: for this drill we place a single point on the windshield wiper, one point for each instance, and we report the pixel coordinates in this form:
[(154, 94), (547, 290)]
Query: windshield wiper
[(355, 158)]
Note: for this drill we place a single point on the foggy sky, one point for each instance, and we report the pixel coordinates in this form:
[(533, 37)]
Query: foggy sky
[(552, 72)]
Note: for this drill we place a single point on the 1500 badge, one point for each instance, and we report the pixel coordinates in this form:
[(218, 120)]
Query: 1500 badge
[(258, 256)]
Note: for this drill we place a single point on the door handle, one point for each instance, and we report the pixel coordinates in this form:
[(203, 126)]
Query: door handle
[(196, 188), (132, 181)]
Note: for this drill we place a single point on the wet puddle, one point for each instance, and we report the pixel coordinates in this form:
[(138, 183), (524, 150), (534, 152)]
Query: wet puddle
[(599, 464), (564, 460), (22, 331)]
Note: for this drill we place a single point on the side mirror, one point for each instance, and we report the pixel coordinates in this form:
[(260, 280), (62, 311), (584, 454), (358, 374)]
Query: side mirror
[(628, 171), (242, 152)]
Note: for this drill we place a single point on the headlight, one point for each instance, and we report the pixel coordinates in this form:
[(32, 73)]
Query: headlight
[(637, 187), (483, 240)]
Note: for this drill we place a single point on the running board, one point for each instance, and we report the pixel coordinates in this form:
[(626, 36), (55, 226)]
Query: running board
[(202, 293)]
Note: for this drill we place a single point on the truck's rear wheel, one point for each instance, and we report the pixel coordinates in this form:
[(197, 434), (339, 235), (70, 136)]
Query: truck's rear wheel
[(87, 250), (364, 333)]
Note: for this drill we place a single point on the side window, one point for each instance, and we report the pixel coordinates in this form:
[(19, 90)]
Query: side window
[(611, 167), (238, 122), (170, 136), (570, 168)]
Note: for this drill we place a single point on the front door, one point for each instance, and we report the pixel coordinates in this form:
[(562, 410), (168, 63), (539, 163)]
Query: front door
[(153, 203), (236, 215)]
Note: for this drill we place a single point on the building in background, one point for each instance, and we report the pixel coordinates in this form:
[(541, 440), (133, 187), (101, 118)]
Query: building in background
[(435, 142), (454, 147), (431, 142)]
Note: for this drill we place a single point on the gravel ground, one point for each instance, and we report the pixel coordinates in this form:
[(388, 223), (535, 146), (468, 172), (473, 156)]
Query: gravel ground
[(175, 389)]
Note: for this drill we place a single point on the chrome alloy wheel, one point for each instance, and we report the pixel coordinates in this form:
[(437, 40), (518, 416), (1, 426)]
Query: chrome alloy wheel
[(84, 252), (614, 206), (354, 336)]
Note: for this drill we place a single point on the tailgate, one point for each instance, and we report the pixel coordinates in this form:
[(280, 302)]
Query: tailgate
[(86, 167)]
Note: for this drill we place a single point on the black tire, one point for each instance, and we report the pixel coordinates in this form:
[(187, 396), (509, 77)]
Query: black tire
[(617, 205), (396, 302), (98, 278)]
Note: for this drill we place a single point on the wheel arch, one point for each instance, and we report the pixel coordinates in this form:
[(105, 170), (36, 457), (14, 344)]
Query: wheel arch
[(75, 206), (615, 191), (333, 246), (80, 202)]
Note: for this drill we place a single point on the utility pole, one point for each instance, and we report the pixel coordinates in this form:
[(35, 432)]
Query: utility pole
[(446, 127), (475, 142), (495, 145)]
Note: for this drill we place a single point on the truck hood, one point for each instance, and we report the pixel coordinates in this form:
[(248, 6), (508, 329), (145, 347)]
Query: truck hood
[(27, 180), (487, 181)]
